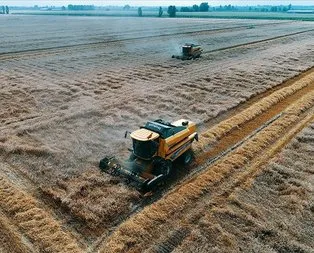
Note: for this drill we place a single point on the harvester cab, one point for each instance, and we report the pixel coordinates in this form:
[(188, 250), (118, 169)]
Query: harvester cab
[(189, 51), (156, 146)]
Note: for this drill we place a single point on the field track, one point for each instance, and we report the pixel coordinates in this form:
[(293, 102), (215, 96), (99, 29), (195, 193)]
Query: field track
[(34, 52), (54, 50), (260, 41)]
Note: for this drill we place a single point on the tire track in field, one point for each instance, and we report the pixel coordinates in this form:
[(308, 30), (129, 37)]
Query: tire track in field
[(258, 41), (59, 49), (247, 130), (40, 51)]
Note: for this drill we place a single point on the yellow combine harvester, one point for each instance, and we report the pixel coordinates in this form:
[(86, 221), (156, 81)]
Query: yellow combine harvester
[(189, 51), (155, 146)]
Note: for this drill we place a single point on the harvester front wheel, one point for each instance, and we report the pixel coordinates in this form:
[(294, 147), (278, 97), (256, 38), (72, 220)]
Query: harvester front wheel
[(132, 157), (162, 167), (166, 168)]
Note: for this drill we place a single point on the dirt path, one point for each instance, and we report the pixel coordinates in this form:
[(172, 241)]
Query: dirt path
[(223, 200)]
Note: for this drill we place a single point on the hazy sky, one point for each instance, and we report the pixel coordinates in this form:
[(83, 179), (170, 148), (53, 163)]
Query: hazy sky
[(152, 2)]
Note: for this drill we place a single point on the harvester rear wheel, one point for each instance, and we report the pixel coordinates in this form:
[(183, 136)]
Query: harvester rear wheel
[(187, 157)]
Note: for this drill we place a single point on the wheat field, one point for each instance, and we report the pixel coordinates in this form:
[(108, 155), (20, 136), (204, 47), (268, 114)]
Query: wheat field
[(72, 86)]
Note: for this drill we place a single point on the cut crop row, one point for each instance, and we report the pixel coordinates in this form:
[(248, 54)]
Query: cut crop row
[(10, 239), (38, 225), (215, 133), (266, 205)]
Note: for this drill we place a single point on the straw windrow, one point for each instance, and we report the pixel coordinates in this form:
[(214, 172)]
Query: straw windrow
[(220, 130), (38, 225)]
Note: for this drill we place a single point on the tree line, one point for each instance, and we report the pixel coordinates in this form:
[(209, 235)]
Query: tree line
[(72, 7), (203, 7), (5, 10)]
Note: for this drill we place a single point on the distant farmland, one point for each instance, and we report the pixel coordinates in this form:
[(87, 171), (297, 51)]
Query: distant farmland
[(149, 13)]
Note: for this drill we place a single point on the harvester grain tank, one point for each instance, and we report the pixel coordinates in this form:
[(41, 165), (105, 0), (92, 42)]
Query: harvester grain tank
[(156, 146)]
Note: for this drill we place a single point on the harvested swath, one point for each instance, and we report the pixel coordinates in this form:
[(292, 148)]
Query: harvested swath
[(95, 199), (39, 226), (282, 191), (25, 149), (282, 194), (246, 178), (10, 239), (145, 227), (217, 132), (17, 145)]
